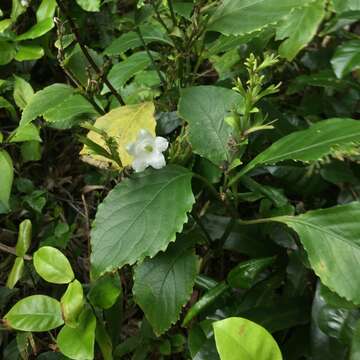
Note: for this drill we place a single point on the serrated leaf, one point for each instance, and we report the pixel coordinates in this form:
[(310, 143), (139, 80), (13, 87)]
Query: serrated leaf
[(331, 238), (299, 28), (250, 340), (78, 343), (311, 144), (140, 217), (236, 17), (346, 58), (205, 108), (72, 303), (164, 284), (6, 179), (52, 265), (39, 29), (35, 313), (123, 124)]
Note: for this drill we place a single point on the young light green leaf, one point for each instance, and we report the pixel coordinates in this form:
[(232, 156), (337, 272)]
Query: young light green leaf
[(299, 28), (4, 24), (250, 340), (145, 211), (72, 303), (331, 240), (346, 58), (16, 273), (46, 10), (105, 291), (121, 72), (311, 144), (35, 313), (89, 5), (205, 108), (78, 343), (44, 100), (164, 284), (53, 266), (254, 15), (24, 237), (29, 52), (6, 178), (37, 30), (23, 92)]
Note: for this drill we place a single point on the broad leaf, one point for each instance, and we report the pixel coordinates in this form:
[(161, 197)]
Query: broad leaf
[(346, 58), (238, 338), (35, 313), (346, 5), (164, 284), (29, 132), (205, 108), (311, 144), (23, 92), (123, 124), (140, 217), (52, 265), (331, 238), (72, 303), (78, 343), (235, 17), (37, 30), (29, 52), (299, 28), (123, 71), (89, 5), (46, 10), (7, 175)]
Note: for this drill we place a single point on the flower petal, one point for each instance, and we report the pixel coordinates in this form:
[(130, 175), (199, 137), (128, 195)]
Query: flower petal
[(161, 144), (157, 160), (144, 135), (140, 164)]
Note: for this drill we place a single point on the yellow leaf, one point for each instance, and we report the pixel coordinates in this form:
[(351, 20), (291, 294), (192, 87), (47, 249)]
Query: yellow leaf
[(123, 124)]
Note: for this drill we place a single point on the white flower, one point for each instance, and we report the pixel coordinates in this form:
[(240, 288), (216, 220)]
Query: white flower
[(147, 151)]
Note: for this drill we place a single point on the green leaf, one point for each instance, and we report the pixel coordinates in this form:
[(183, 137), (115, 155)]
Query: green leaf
[(29, 132), (254, 15), (164, 284), (16, 10), (7, 176), (355, 346), (331, 240), (78, 343), (238, 338), (35, 313), (131, 39), (7, 52), (123, 71), (37, 30), (311, 144), (23, 92), (4, 24), (46, 10), (105, 291), (204, 108), (104, 341), (16, 273), (44, 100), (145, 211), (89, 5), (24, 237), (346, 5), (52, 265), (72, 303), (29, 52), (346, 58), (31, 151), (299, 28)]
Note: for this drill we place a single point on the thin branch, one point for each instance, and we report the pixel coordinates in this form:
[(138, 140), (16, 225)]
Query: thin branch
[(91, 61), (11, 250)]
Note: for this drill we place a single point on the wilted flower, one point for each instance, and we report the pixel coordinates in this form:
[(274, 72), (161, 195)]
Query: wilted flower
[(147, 151)]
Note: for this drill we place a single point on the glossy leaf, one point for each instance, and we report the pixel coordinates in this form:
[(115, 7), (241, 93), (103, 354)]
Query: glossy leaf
[(299, 28), (331, 240), (250, 340), (23, 92), (254, 15), (29, 52), (52, 265), (145, 211), (24, 237), (37, 30), (311, 144), (7, 52), (72, 303), (46, 10), (16, 273), (163, 285), (105, 291), (78, 343), (205, 108), (35, 313), (6, 178), (346, 58), (123, 124)]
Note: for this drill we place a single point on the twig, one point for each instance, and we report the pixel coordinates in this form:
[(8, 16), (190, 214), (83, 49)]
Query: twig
[(11, 250), (91, 61)]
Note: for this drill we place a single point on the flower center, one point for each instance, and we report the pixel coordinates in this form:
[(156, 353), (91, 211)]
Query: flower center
[(148, 148)]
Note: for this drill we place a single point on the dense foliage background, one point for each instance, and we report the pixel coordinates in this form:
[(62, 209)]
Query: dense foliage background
[(246, 245)]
